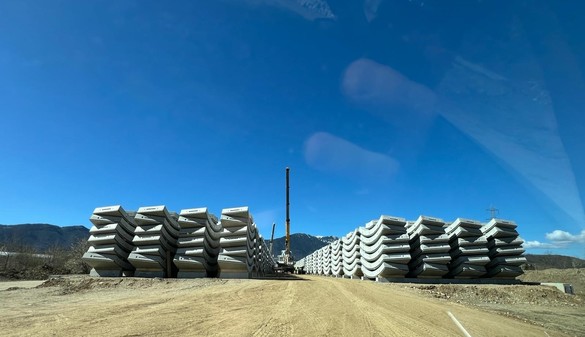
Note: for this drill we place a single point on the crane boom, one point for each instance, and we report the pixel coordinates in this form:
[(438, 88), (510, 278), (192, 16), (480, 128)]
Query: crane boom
[(272, 238)]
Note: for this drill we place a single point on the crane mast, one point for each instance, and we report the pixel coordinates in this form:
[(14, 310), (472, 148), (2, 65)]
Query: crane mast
[(285, 259), (287, 253)]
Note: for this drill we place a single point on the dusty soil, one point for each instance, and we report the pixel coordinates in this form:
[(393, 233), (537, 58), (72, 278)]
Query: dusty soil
[(308, 306), (574, 276), (539, 305)]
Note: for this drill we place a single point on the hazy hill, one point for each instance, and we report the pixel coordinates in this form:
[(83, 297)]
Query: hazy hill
[(302, 244), (40, 236), (553, 261)]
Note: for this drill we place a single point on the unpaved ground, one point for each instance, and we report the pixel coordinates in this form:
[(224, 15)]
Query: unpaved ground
[(574, 276), (540, 305), (13, 285), (310, 306)]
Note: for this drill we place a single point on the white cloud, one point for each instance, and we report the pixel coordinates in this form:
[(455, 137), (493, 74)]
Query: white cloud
[(329, 153), (540, 245), (558, 239), (560, 236)]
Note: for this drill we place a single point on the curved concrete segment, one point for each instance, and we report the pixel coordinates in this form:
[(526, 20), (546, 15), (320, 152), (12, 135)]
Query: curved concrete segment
[(391, 248), (351, 263), (429, 248), (198, 243), (243, 252), (110, 242), (155, 241), (505, 249)]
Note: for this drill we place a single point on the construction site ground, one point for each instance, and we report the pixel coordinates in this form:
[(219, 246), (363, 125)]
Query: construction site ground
[(299, 306)]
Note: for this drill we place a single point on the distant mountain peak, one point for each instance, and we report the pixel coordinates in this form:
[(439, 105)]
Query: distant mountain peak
[(302, 244)]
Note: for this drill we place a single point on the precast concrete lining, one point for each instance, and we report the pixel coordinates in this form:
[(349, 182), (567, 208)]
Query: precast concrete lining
[(429, 247), (505, 249), (311, 264), (392, 248), (327, 259), (336, 258), (268, 262), (155, 241), (352, 266), (469, 252), (320, 261), (110, 242), (198, 243), (240, 243), (384, 248)]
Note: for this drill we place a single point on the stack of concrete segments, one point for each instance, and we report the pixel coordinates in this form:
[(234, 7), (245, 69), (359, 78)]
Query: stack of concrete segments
[(198, 243), (469, 252), (505, 249), (238, 236), (336, 258), (264, 261), (110, 242), (300, 265), (327, 259), (320, 261), (384, 248), (155, 242), (352, 266), (310, 263), (429, 248)]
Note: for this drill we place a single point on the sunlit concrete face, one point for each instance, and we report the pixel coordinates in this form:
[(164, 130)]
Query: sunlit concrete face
[(110, 242), (393, 248), (153, 242)]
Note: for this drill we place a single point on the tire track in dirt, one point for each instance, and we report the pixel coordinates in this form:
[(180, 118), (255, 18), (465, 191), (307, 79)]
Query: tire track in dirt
[(278, 322), (310, 306)]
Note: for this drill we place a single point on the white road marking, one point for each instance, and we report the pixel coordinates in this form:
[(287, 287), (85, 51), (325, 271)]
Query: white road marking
[(458, 324)]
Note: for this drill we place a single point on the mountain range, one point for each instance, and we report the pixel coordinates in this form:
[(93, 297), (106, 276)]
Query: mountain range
[(301, 244), (40, 237)]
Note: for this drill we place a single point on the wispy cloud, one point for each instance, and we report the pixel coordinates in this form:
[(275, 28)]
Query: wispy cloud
[(329, 153), (541, 245), (308, 9), (371, 9)]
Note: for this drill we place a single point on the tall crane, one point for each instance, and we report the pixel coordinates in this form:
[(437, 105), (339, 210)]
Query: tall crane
[(287, 252), (285, 259)]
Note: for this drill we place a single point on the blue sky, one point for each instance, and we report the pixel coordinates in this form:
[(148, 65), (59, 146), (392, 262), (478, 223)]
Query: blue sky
[(379, 107)]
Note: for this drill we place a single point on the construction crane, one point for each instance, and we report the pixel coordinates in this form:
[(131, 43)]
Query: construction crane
[(285, 259)]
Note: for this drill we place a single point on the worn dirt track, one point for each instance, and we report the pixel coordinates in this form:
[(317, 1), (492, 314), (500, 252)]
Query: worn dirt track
[(308, 306)]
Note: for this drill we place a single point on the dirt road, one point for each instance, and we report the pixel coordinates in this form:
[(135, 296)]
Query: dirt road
[(311, 306)]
